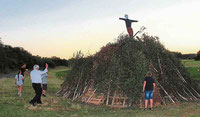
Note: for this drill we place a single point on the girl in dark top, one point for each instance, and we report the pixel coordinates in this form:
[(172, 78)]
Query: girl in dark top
[(23, 71), (148, 89), (128, 24)]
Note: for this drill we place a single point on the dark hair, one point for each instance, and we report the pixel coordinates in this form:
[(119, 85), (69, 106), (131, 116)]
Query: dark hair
[(18, 74)]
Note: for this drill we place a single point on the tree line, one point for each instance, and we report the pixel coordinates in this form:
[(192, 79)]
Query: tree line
[(11, 58), (187, 56)]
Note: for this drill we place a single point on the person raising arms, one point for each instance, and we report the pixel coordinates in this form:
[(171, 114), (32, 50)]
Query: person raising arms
[(36, 79)]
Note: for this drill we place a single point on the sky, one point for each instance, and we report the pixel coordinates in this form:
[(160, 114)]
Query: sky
[(63, 27)]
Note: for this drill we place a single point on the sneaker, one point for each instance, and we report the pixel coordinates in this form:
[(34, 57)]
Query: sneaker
[(32, 103), (150, 108), (145, 109), (39, 102)]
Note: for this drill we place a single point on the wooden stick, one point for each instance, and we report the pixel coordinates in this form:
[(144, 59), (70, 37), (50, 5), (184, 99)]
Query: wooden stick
[(196, 92), (182, 96), (160, 65), (108, 94), (124, 102), (75, 97), (191, 93), (186, 92), (113, 101), (179, 73), (180, 76), (91, 95), (66, 95), (162, 100), (59, 92), (153, 67), (84, 90), (130, 103), (76, 89), (166, 93)]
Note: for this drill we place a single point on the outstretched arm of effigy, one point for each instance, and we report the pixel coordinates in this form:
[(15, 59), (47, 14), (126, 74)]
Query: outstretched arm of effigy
[(122, 19), (133, 20)]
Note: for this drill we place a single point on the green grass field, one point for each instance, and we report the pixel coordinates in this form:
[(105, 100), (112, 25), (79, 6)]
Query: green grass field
[(193, 67), (190, 63), (53, 106)]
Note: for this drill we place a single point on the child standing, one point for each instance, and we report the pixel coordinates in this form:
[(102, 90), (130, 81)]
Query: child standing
[(19, 82), (44, 84)]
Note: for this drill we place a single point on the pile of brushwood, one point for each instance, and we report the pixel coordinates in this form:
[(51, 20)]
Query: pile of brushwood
[(122, 66)]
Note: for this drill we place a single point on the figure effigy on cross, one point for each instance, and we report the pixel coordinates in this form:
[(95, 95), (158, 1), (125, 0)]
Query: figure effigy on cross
[(128, 24)]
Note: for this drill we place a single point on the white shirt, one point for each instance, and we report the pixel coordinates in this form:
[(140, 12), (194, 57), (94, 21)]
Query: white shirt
[(36, 75)]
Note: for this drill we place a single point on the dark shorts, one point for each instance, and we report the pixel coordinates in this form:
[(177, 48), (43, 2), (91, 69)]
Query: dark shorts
[(148, 95), (23, 81), (44, 86)]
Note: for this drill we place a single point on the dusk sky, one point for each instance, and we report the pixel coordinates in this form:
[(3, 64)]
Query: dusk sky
[(62, 27)]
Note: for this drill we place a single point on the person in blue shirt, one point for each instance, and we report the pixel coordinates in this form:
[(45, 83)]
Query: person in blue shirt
[(128, 24)]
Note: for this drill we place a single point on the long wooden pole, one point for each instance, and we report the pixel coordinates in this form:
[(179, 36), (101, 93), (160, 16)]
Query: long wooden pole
[(113, 101), (166, 93), (108, 94), (91, 95)]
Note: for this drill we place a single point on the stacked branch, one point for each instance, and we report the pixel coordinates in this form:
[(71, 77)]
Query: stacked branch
[(122, 65)]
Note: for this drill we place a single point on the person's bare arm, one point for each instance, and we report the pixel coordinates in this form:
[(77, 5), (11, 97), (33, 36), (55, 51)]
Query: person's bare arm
[(49, 76), (45, 71), (144, 85), (154, 86)]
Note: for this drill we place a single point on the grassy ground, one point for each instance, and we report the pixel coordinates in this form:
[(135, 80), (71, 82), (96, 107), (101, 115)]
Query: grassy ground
[(191, 63), (13, 106), (193, 67)]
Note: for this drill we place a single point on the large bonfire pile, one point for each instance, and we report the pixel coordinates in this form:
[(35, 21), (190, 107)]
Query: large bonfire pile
[(118, 70)]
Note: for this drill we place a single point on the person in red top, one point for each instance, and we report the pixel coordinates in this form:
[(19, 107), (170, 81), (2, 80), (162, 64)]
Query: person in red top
[(128, 24)]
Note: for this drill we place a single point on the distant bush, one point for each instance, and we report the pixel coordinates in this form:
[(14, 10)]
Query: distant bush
[(198, 56)]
